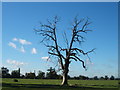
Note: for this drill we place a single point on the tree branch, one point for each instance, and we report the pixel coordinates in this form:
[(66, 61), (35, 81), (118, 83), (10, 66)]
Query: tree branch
[(76, 58), (56, 54), (81, 51), (48, 31), (65, 38), (53, 53)]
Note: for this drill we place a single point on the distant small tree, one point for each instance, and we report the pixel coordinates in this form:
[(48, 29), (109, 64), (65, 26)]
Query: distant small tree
[(112, 78), (41, 75), (95, 78), (30, 75), (51, 74), (75, 77), (15, 74), (106, 77), (4, 72), (81, 77), (102, 78)]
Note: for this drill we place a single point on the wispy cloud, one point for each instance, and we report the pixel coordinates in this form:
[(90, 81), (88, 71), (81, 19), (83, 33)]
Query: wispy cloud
[(34, 51), (15, 63), (22, 49), (12, 45), (24, 42), (15, 39), (45, 58)]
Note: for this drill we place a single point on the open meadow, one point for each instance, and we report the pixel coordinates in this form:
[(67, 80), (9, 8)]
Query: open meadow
[(49, 84)]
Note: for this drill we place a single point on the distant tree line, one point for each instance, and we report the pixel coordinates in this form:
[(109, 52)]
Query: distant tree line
[(51, 74)]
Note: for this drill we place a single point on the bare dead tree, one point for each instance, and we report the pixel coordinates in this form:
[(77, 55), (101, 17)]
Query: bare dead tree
[(48, 31)]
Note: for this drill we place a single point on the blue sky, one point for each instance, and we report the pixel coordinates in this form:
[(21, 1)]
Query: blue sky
[(60, 1), (21, 47)]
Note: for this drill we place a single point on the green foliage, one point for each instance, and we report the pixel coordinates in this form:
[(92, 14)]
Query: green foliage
[(4, 72), (106, 77), (41, 75), (15, 74), (81, 77), (102, 78), (51, 74), (95, 78), (30, 75), (112, 78)]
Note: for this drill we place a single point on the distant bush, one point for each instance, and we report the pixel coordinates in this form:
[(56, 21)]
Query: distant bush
[(15, 80)]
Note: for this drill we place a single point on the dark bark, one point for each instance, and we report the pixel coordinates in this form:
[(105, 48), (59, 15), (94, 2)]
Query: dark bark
[(65, 78), (65, 72)]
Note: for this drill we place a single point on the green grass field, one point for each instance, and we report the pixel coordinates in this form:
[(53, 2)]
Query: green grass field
[(48, 84)]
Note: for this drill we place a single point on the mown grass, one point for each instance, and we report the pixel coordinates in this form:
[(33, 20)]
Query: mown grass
[(48, 84), (32, 81)]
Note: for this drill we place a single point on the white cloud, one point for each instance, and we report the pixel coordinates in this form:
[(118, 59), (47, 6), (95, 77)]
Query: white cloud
[(12, 45), (15, 39), (15, 63), (22, 49), (34, 51), (24, 42), (45, 58), (21, 42)]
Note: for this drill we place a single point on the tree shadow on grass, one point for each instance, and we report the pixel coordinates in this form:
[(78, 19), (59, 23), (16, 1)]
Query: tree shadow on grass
[(52, 87)]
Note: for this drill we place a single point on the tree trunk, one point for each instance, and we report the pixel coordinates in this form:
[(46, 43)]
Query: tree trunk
[(65, 73), (65, 79)]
